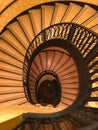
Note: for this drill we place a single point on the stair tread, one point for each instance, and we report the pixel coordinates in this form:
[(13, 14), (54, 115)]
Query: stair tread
[(93, 20), (66, 101), (9, 59), (21, 102), (84, 14), (72, 11), (19, 33), (70, 91), (27, 26), (6, 67), (35, 16), (10, 76), (10, 104), (11, 96), (39, 62), (7, 91), (47, 13), (8, 37), (70, 86), (58, 12), (4, 82), (10, 50)]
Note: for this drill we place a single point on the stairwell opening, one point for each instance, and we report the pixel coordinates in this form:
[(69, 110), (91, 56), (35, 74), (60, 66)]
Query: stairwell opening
[(60, 65), (48, 89)]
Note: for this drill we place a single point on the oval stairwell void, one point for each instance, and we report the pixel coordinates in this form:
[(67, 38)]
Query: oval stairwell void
[(54, 64)]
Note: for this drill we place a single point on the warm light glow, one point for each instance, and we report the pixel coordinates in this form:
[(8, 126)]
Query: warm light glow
[(13, 110)]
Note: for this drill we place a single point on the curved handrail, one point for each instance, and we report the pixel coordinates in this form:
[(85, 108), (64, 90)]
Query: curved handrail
[(85, 40)]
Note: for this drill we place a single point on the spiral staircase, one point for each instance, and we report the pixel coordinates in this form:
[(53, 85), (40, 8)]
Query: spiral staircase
[(49, 66)]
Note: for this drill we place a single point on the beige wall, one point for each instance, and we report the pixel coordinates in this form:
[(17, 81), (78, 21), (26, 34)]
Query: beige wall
[(21, 5)]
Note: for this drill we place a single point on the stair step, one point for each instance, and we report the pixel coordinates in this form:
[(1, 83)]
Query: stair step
[(9, 90), (56, 57), (43, 59), (70, 91), (20, 102), (19, 34), (70, 75), (11, 87), (92, 21), (35, 16), (67, 101), (7, 58), (38, 62), (13, 55), (11, 50), (58, 13), (69, 96), (70, 80), (10, 76), (32, 78), (47, 63), (71, 72), (61, 61), (47, 14), (26, 24), (71, 12), (49, 59), (7, 67), (10, 96), (8, 37), (11, 103), (5, 82), (84, 14), (70, 86), (34, 69), (67, 68)]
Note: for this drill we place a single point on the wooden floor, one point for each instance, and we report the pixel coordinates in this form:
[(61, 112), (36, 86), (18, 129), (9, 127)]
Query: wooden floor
[(14, 111), (11, 116)]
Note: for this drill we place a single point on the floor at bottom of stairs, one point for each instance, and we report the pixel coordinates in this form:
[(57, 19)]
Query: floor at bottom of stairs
[(10, 112)]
